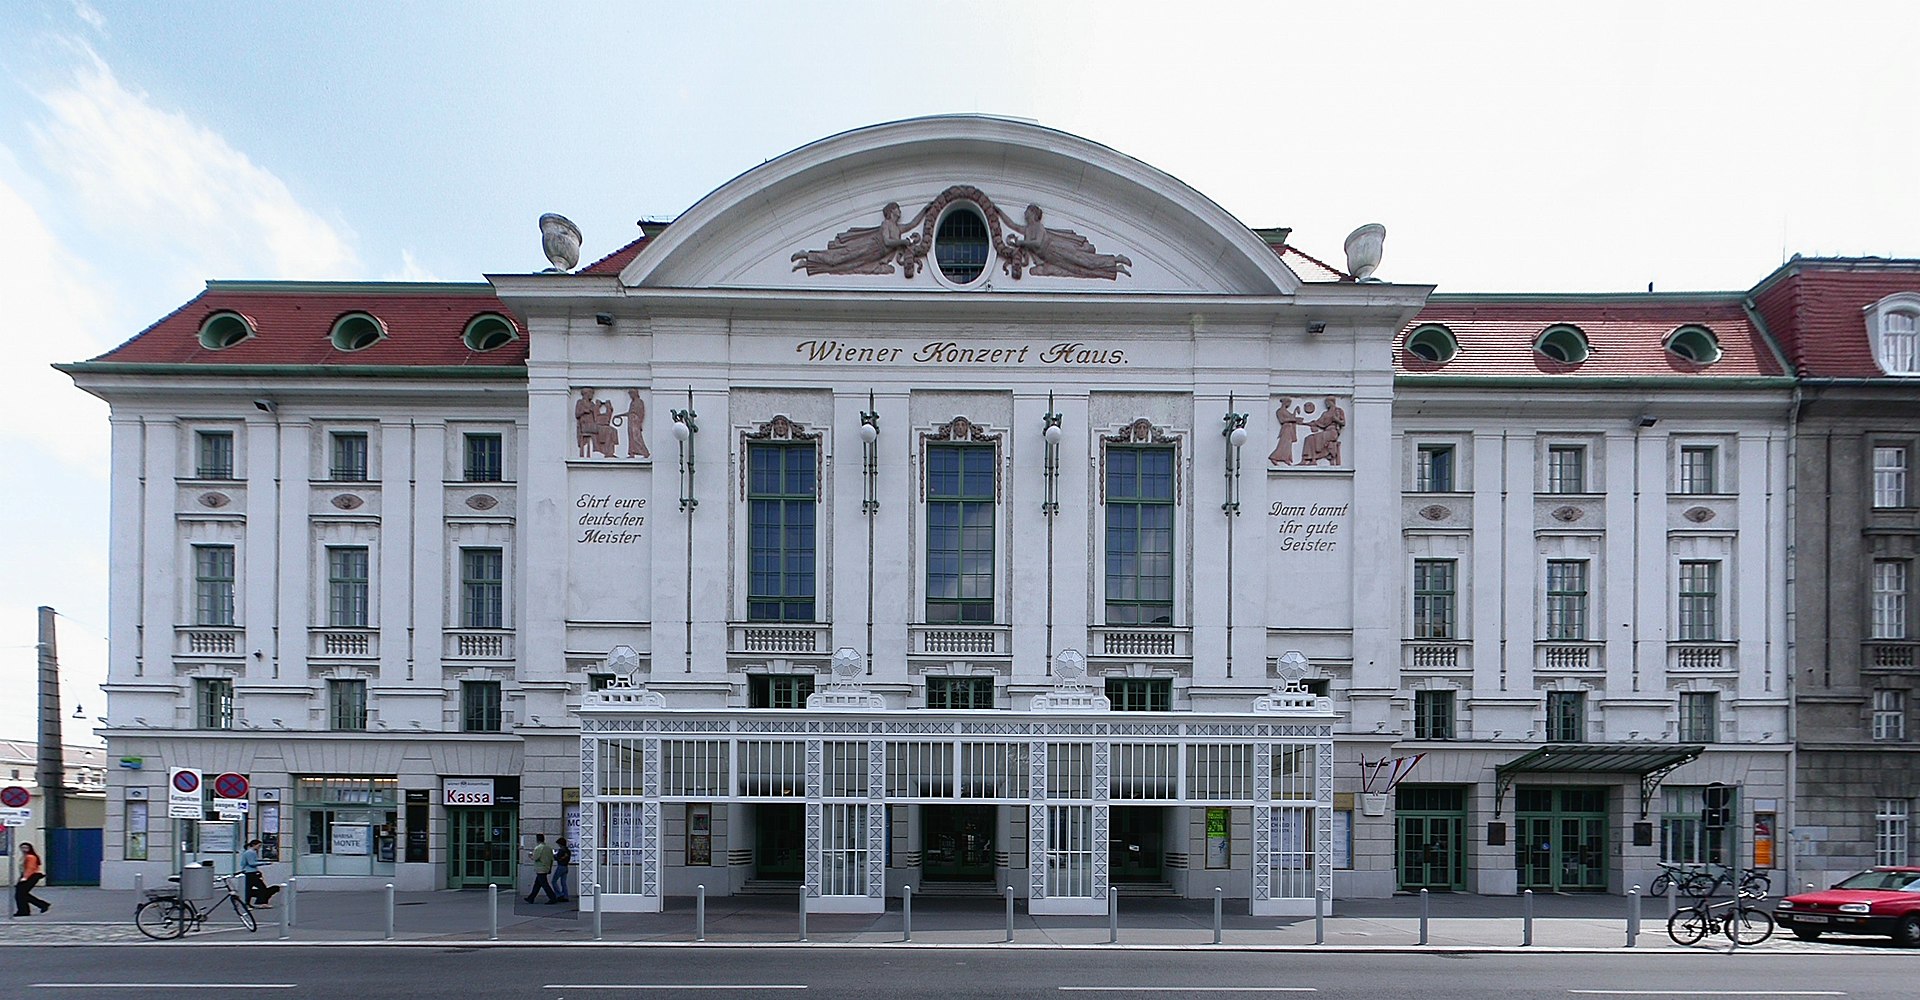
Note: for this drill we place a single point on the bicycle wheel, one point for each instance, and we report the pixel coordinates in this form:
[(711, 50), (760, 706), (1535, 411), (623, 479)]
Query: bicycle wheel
[(244, 912), (1661, 883), (1688, 926), (161, 919), (1750, 925), (1756, 884)]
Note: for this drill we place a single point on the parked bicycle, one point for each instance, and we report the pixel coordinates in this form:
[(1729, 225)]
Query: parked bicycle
[(1738, 918), (1699, 879), (168, 914)]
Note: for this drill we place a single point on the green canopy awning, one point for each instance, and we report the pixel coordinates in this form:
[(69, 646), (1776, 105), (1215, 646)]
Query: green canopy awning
[(1651, 763)]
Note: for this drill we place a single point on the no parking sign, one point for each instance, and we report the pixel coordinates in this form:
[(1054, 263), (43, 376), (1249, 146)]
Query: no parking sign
[(230, 795), (183, 794)]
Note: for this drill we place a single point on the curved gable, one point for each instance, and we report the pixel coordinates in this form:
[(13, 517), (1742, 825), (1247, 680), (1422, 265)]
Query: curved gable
[(1111, 223)]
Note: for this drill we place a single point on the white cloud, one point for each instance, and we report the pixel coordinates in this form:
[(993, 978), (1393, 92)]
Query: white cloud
[(178, 189), (412, 270), (90, 14)]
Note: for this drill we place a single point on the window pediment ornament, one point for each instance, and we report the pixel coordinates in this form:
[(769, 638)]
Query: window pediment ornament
[(1140, 431), (1023, 246), (959, 430), (781, 428)]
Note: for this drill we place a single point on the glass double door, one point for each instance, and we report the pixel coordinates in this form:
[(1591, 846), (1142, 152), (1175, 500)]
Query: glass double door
[(958, 843), (1560, 839), (1135, 841), (482, 847), (1430, 845)]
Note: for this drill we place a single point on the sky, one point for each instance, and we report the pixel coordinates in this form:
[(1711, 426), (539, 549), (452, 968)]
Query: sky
[(146, 148)]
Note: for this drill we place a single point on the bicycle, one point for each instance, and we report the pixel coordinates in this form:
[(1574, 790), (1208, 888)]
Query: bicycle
[(166, 914), (1739, 919), (1672, 876)]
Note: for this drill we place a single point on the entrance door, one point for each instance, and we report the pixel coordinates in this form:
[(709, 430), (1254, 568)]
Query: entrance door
[(958, 843), (1134, 841), (779, 842), (1430, 825), (481, 847), (1561, 844)]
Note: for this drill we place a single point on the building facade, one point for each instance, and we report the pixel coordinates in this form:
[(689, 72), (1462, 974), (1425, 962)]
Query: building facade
[(953, 503)]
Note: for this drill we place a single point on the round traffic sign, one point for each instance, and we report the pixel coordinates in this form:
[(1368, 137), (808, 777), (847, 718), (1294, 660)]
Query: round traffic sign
[(230, 786), (14, 797), (187, 781)]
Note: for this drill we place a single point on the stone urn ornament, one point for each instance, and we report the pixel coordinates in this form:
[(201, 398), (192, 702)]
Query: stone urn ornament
[(560, 239), (1364, 246)]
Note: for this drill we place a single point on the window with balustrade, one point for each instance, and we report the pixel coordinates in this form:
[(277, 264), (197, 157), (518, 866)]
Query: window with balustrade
[(1566, 468), (1433, 468), (960, 533), (1567, 599), (1434, 599), (484, 459), (960, 692), (1698, 470), (213, 702), (1433, 715), (213, 585), (781, 515), (1889, 714), (348, 457), (1890, 598), (1890, 476), (1139, 535), (1699, 610), (347, 586), (1566, 716), (778, 690), (213, 455), (1699, 717), (482, 588), (480, 706), (347, 705)]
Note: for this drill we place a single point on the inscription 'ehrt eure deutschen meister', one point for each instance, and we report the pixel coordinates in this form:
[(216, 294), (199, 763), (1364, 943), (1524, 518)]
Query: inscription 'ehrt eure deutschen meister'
[(953, 352)]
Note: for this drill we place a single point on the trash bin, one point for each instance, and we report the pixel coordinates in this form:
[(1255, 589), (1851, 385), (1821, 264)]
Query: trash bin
[(196, 881)]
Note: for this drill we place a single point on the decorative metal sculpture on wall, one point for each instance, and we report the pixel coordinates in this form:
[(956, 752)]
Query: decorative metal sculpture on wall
[(1023, 246), (1325, 424), (596, 427)]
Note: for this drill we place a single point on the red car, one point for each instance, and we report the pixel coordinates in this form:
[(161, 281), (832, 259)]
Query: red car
[(1883, 900)]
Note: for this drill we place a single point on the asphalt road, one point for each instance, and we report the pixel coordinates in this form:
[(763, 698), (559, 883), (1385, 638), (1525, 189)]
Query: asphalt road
[(575, 973)]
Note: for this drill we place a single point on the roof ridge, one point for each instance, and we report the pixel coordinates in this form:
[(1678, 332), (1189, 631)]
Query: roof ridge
[(1283, 248)]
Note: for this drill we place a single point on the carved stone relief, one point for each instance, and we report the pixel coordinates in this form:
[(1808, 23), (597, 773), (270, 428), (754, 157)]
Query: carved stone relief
[(598, 430), (347, 501), (215, 500), (1024, 246), (780, 428), (483, 501), (1568, 514), (1699, 515), (1436, 512), (1310, 433)]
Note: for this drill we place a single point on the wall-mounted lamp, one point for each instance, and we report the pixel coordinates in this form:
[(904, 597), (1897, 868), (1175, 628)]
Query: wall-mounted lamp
[(1648, 421), (1316, 327), (1051, 433), (685, 426), (78, 712), (265, 405), (870, 453), (604, 319), (1234, 429)]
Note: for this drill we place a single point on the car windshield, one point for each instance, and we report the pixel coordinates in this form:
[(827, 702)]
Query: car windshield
[(1885, 881)]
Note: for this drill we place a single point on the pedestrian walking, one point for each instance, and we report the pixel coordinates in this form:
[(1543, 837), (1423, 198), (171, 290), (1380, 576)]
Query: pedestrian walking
[(542, 869), (30, 876), (259, 893), (562, 866)]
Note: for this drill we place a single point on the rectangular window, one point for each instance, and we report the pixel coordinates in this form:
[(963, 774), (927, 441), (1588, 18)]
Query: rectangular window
[(1566, 599), (1433, 715), (960, 499), (482, 588), (480, 706), (781, 511), (1698, 717), (1433, 472), (347, 587), (1139, 543), (213, 697), (1890, 477), (1697, 470), (347, 705), (1566, 469), (1140, 694), (960, 692), (213, 457), (485, 459), (1681, 832), (778, 690), (213, 585), (1566, 716), (1889, 599), (1433, 599), (1699, 601), (349, 463), (599, 682), (1889, 714), (1890, 832)]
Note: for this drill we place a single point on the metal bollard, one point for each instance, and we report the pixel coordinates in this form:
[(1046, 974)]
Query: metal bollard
[(283, 922), (389, 911), (139, 888), (906, 913), (1113, 915), (700, 913), (493, 912), (293, 901), (1633, 916), (1216, 914), (599, 907), (1426, 910), (1319, 917), (1673, 900), (1009, 913), (1526, 919), (803, 913)]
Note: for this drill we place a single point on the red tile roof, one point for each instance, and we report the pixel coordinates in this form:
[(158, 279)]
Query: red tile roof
[(292, 322), (1625, 333), (1813, 307), (618, 260), (1316, 270)]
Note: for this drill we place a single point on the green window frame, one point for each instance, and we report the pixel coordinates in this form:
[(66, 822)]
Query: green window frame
[(960, 533), (782, 516), (347, 705), (482, 588), (480, 706), (213, 458), (1433, 468), (1567, 599), (347, 573), (1699, 717), (1435, 600), (1140, 694), (778, 690), (213, 698), (1697, 470), (213, 585), (1433, 715), (960, 692), (484, 458), (1566, 716), (1139, 541), (1699, 601), (348, 457), (1567, 468)]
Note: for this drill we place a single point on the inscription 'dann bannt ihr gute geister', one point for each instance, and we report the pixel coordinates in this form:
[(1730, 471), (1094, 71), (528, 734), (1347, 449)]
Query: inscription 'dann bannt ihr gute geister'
[(1309, 527)]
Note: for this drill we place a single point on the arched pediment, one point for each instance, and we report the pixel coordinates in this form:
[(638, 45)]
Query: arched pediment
[(863, 210)]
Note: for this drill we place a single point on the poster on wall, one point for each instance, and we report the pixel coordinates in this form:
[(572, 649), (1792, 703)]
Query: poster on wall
[(1219, 847), (218, 836), (136, 831), (1343, 838), (699, 833), (352, 838)]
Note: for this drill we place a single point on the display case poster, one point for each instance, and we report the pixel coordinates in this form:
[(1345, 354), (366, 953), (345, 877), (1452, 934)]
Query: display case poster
[(218, 836), (352, 838), (1343, 838), (699, 834), (1219, 847)]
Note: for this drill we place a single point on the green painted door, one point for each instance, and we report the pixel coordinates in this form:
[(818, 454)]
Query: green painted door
[(1561, 843), (957, 843), (779, 842), (1134, 844), (1430, 823), (481, 847)]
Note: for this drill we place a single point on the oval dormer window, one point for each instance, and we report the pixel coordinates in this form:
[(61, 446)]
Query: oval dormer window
[(223, 330), (960, 246), (1564, 343), (357, 331), (1694, 343), (488, 331), (1434, 343)]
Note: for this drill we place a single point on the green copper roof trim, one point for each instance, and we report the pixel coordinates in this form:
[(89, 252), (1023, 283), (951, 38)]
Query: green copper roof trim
[(1593, 381), (355, 287), (489, 372)]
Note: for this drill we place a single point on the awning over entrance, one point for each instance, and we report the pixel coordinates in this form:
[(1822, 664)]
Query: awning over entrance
[(1651, 763)]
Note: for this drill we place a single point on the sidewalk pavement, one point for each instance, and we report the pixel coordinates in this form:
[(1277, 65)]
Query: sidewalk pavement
[(1458, 922)]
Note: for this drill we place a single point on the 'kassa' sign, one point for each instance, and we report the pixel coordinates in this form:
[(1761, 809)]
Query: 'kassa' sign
[(467, 792)]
